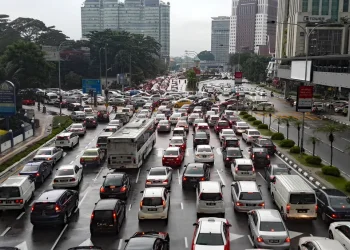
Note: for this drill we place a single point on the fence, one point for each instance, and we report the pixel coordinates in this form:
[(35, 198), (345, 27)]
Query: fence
[(9, 140)]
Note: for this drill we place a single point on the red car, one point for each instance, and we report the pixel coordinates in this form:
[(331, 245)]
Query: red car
[(221, 124), (28, 102), (173, 157)]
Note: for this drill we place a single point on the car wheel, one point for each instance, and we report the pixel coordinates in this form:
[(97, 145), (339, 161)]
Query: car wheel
[(54, 162), (65, 219), (71, 146)]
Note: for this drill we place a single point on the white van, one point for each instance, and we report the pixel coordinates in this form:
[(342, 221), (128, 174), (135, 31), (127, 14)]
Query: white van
[(210, 198), (294, 197), (51, 98), (15, 192)]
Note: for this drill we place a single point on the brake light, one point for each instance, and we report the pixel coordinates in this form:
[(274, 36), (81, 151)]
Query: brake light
[(165, 181), (98, 113), (227, 159), (262, 204), (287, 240), (37, 174), (164, 204), (73, 179), (141, 204), (202, 179), (158, 126), (184, 179), (316, 207), (260, 239), (238, 204), (97, 145), (102, 189), (114, 215), (57, 209), (92, 215), (183, 145), (32, 208), (268, 157), (253, 170), (271, 177), (177, 158), (148, 182), (236, 170), (288, 208), (334, 216), (55, 180)]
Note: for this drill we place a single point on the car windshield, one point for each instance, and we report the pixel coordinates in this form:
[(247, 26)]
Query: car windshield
[(245, 167), (9, 192), (222, 124), (201, 135), (157, 171), (176, 140), (171, 152), (102, 214), (152, 201), (194, 170), (211, 197), (260, 154), (340, 202), (302, 199), (207, 150), (90, 153), (210, 239), (44, 152), (114, 181), (232, 152), (250, 196), (254, 133), (77, 126), (272, 226), (63, 172), (30, 168)]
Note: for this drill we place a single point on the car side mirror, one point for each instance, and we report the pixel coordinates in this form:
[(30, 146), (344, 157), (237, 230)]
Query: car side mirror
[(141, 192), (249, 150), (148, 170), (228, 225), (304, 245), (104, 176), (195, 224), (126, 241), (337, 228), (273, 180)]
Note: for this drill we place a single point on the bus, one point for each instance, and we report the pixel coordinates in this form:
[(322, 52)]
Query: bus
[(130, 146)]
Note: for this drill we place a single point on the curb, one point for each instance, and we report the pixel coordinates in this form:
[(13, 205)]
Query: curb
[(335, 120), (300, 170)]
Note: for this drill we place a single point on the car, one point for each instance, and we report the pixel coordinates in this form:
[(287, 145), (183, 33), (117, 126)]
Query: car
[(260, 157), (192, 117), (213, 119), (159, 177), (174, 118), (151, 240), (67, 139), (78, 115), (221, 124), (164, 126), (209, 198), (264, 143), (180, 132), (28, 102), (68, 176), (194, 173), (115, 123), (340, 231), (319, 243), (145, 112), (243, 170), (250, 135), (182, 124), (54, 207), (142, 116), (88, 112), (230, 142), (37, 170), (240, 128), (122, 117), (226, 133), (49, 154), (197, 121), (103, 116), (273, 170), (116, 101), (200, 138), (128, 111), (208, 114), (78, 128), (173, 157), (246, 195), (112, 129), (178, 141), (155, 204), (116, 185), (107, 216), (268, 230), (211, 233), (182, 102), (232, 120), (204, 154), (131, 107), (92, 156), (160, 117), (333, 205), (230, 154), (91, 122)]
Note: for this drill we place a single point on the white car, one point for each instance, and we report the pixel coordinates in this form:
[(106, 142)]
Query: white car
[(68, 176), (67, 140), (88, 112), (250, 135), (174, 118), (78, 128), (115, 123), (226, 132), (159, 177), (155, 204), (240, 127), (112, 129), (178, 141), (319, 243), (340, 231), (145, 112), (142, 116), (49, 154), (128, 111), (197, 121), (160, 117), (204, 154)]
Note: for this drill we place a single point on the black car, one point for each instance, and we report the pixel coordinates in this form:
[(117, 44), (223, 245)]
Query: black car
[(232, 120), (148, 240), (84, 247), (90, 122), (200, 138), (265, 143), (75, 107), (38, 170), (54, 207), (230, 142), (194, 173), (333, 205), (275, 169), (260, 157), (230, 154), (103, 116), (115, 185), (108, 216)]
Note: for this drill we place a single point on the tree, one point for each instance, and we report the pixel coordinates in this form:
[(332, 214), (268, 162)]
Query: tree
[(72, 80), (314, 140), (331, 129), (52, 37), (279, 122), (191, 80), (254, 68), (7, 34), (29, 29), (239, 58), (296, 123), (206, 56), (288, 120)]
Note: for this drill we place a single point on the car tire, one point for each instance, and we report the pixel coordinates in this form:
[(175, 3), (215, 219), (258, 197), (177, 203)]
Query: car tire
[(65, 219), (54, 162), (71, 146)]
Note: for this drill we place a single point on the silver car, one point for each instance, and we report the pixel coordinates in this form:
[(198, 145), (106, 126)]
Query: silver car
[(159, 117), (78, 115), (246, 196), (204, 154), (78, 128), (159, 177), (164, 126), (193, 117), (268, 229), (49, 154)]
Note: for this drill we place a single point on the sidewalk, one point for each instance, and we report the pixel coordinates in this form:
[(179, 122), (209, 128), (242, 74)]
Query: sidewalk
[(41, 132)]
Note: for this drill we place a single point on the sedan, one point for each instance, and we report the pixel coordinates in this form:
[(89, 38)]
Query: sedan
[(340, 231), (226, 133), (49, 154), (200, 138), (194, 173), (204, 153), (68, 176), (116, 185), (159, 177), (230, 154), (250, 135), (92, 156), (112, 129), (78, 128), (240, 127), (38, 171), (115, 123), (78, 115), (164, 126), (173, 157), (182, 124), (178, 141), (159, 117)]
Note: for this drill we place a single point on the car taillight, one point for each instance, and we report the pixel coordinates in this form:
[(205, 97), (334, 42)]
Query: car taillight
[(236, 170), (177, 158), (19, 201), (316, 208), (260, 239), (81, 160), (227, 159), (253, 156), (183, 146), (114, 215), (262, 204), (334, 216), (148, 182), (123, 189), (97, 145), (102, 189), (73, 179), (37, 174), (202, 179), (288, 208), (271, 177), (55, 180), (287, 240), (98, 113), (165, 181), (92, 215), (164, 204), (238, 204), (33, 208), (268, 157), (158, 126), (57, 209), (253, 170), (141, 204), (184, 179)]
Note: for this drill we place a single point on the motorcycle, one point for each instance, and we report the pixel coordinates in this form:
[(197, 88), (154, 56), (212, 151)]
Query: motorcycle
[(272, 95)]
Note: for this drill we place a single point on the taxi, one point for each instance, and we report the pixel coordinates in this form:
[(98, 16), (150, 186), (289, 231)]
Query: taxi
[(92, 156), (182, 102)]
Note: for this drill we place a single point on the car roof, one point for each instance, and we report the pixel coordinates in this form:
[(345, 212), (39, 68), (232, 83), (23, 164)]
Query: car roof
[(233, 148), (153, 192), (105, 204), (179, 128), (203, 146), (244, 161), (202, 124), (211, 225), (14, 181), (177, 137), (210, 187), (172, 149), (68, 166), (195, 164), (33, 163), (65, 134), (248, 186), (51, 195), (47, 148), (144, 243), (268, 214), (80, 124), (334, 192)]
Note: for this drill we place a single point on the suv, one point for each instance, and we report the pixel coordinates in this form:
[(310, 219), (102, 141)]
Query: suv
[(243, 170), (108, 216), (265, 143), (246, 195), (260, 157), (103, 116), (54, 207), (115, 185), (230, 142), (210, 198), (148, 240), (155, 204), (221, 124), (68, 139)]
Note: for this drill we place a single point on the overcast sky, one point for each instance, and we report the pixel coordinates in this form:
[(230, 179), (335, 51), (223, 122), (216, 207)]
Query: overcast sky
[(190, 22)]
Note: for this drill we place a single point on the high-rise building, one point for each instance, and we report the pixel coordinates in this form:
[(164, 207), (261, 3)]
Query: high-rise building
[(147, 17), (220, 37), (249, 27)]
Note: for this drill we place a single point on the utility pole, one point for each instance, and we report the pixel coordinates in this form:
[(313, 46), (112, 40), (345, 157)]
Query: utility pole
[(106, 63), (129, 71)]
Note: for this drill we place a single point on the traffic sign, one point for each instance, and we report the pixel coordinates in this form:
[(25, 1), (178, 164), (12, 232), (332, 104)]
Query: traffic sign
[(7, 98), (106, 105), (94, 84), (304, 98)]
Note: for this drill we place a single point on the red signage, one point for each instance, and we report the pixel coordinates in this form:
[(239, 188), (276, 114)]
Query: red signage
[(305, 98), (197, 70), (238, 75), (306, 92)]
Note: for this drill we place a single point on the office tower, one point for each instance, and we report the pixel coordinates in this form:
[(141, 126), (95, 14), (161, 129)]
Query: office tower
[(220, 34)]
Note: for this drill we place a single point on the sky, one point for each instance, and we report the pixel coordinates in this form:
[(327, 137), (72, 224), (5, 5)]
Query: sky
[(190, 20)]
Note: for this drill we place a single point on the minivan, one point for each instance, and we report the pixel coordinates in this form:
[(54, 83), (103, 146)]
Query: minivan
[(210, 198)]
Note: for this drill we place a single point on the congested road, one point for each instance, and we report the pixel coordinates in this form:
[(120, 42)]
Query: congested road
[(16, 229)]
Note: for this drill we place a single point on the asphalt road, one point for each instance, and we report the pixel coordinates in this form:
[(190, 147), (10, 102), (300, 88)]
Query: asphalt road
[(16, 229)]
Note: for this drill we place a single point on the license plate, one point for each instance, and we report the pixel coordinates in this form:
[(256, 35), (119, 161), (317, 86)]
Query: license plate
[(274, 241), (64, 181), (302, 211), (62, 142), (244, 172), (210, 204), (105, 116), (250, 205), (152, 209), (204, 156), (194, 180), (112, 187), (8, 202)]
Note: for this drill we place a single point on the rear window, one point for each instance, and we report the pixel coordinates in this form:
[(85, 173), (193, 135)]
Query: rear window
[(125, 110), (171, 152), (176, 141), (214, 118), (156, 171), (194, 170), (40, 206), (207, 150), (209, 239), (102, 139), (222, 123), (113, 181), (302, 199), (90, 153), (9, 192), (254, 133), (201, 135), (164, 122), (250, 196), (233, 153), (211, 197), (272, 226), (260, 154), (61, 138), (102, 214), (44, 152), (30, 168), (265, 143), (245, 167), (153, 201), (63, 172), (231, 143), (77, 126)]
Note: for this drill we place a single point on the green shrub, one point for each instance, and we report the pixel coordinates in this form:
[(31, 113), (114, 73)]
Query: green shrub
[(257, 122), (315, 160), (286, 143), (263, 126), (347, 186), (251, 119), (330, 170), (243, 113), (277, 136), (246, 116), (295, 150)]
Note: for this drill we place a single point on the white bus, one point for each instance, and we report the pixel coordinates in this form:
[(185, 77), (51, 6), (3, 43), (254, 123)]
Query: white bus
[(130, 146)]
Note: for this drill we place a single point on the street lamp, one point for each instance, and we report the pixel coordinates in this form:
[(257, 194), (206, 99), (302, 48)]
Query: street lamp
[(270, 115)]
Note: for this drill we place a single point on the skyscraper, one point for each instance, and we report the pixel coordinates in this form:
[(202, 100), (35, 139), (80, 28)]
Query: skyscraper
[(147, 17), (220, 36)]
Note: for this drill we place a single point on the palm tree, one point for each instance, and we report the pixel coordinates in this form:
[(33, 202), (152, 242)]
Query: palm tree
[(297, 124), (288, 120), (10, 72), (314, 140), (330, 129), (279, 122)]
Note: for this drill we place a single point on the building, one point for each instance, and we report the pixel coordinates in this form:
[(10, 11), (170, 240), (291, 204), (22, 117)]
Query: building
[(249, 27), (220, 37), (147, 17)]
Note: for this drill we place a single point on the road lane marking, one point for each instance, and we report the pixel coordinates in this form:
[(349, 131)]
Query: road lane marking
[(311, 235), (186, 244), (262, 176), (76, 156), (345, 139), (6, 230), (20, 216), (138, 175), (59, 237), (130, 207), (182, 205), (218, 151), (120, 244), (251, 241), (178, 176), (222, 180), (71, 162), (81, 201), (98, 174)]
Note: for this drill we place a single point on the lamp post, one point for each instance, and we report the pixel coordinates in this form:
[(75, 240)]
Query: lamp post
[(33, 126), (11, 133), (106, 63), (270, 115), (23, 133), (59, 71), (99, 53)]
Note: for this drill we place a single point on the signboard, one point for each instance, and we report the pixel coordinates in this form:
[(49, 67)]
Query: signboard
[(315, 19), (304, 98), (51, 53), (238, 77), (7, 98), (66, 54), (197, 71), (94, 84)]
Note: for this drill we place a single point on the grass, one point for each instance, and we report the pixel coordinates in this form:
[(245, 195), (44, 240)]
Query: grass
[(3, 132), (60, 120), (337, 182), (265, 132), (301, 160)]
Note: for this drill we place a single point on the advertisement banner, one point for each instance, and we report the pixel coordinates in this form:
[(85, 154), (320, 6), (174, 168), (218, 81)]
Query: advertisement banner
[(7, 99), (304, 98), (238, 77)]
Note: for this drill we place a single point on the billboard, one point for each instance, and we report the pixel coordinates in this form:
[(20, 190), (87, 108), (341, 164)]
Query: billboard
[(298, 70), (7, 99), (238, 77), (66, 54), (94, 84), (304, 98)]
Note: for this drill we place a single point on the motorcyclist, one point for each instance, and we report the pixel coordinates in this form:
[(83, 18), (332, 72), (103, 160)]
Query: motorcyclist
[(271, 94)]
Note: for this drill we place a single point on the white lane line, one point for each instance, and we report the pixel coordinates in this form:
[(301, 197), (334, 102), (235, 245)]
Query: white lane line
[(71, 162), (311, 235), (81, 201), (218, 151), (250, 239), (120, 244), (178, 176), (86, 146), (222, 180), (345, 139), (98, 174), (130, 207), (182, 205), (20, 216), (138, 175), (262, 176), (76, 156), (186, 244), (82, 152), (6, 230), (336, 148), (188, 152), (89, 143), (59, 237)]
